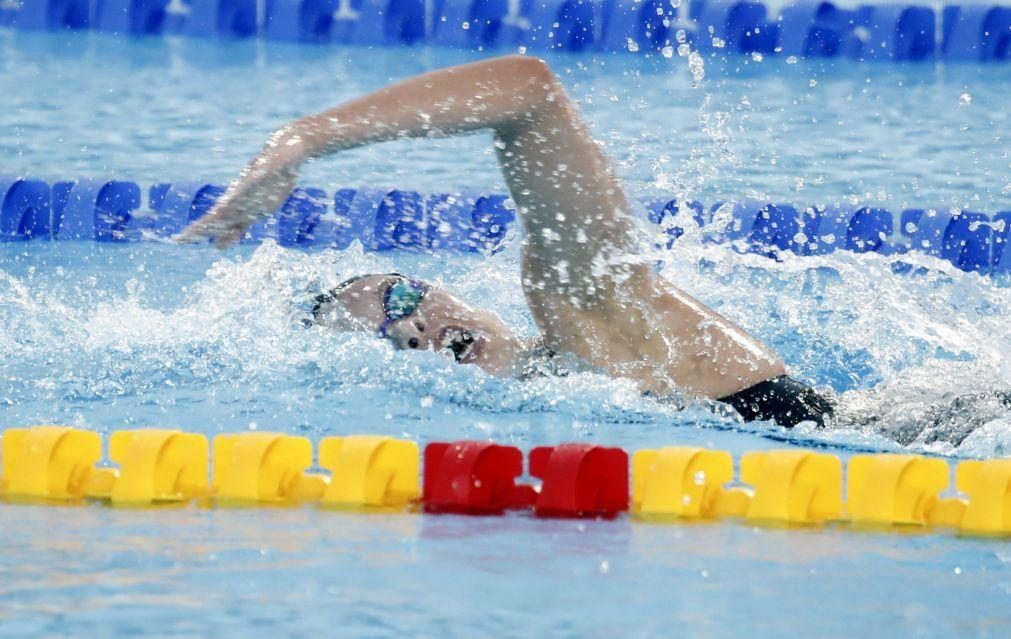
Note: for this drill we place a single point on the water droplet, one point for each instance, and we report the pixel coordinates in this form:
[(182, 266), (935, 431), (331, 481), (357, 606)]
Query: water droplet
[(964, 99)]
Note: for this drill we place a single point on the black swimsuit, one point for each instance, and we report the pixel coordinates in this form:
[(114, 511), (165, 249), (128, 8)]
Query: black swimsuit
[(782, 399)]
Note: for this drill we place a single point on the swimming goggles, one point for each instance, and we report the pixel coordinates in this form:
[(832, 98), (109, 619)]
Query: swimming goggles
[(401, 299)]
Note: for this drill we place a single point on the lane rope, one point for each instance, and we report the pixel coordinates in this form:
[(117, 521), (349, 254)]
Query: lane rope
[(387, 219), (820, 30), (794, 487)]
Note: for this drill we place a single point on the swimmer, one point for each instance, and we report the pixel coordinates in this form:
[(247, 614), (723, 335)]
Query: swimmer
[(594, 300)]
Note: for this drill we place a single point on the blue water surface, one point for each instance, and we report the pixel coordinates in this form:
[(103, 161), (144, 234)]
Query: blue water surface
[(111, 337)]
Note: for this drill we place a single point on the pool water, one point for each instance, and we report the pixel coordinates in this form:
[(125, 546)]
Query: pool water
[(111, 337), (806, 131)]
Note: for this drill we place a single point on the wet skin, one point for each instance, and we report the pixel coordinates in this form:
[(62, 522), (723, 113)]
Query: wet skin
[(589, 291)]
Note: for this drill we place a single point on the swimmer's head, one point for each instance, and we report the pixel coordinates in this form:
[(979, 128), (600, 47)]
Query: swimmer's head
[(414, 315)]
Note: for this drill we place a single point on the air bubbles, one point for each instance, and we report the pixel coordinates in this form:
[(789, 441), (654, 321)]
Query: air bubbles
[(697, 68), (965, 99)]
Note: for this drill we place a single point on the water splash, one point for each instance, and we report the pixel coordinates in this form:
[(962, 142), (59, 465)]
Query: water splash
[(897, 350)]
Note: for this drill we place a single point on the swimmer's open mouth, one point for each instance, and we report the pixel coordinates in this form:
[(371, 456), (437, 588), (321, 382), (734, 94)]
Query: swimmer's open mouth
[(463, 344)]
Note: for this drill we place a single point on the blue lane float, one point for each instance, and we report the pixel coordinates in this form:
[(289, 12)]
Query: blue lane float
[(760, 226), (173, 206), (817, 30), (132, 16), (299, 20), (965, 238), (100, 210), (386, 219), (735, 26), (968, 243), (363, 22), (24, 209), (668, 213), (570, 25), (897, 32), (859, 229), (640, 25), (1001, 225), (976, 33), (219, 18), (50, 14), (290, 226), (479, 24)]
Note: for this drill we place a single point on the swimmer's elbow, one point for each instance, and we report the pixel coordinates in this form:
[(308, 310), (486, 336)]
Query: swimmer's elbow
[(531, 67), (534, 69)]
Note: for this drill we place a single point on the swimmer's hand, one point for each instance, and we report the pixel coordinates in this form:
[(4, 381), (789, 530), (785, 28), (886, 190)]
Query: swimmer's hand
[(260, 190), (257, 193)]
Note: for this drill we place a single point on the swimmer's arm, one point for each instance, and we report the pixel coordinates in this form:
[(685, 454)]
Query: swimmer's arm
[(572, 205), (585, 289)]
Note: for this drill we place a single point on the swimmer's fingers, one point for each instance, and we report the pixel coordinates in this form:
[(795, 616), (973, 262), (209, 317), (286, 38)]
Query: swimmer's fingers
[(196, 232), (208, 227), (221, 223), (230, 236), (223, 232), (253, 198)]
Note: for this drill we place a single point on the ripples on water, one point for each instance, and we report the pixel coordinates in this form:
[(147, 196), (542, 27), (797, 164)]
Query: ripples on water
[(108, 337)]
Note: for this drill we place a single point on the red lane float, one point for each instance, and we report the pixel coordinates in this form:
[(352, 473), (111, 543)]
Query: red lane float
[(580, 480), (474, 478)]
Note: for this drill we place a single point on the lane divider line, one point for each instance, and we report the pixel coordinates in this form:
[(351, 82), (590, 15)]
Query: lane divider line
[(792, 487)]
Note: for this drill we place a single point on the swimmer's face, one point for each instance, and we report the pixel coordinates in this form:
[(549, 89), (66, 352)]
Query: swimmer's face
[(440, 322)]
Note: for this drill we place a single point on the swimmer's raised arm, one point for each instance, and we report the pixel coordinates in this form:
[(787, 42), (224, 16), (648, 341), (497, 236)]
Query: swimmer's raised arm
[(587, 291), (540, 138)]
